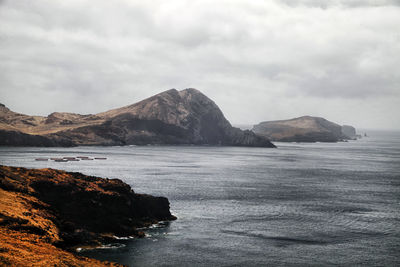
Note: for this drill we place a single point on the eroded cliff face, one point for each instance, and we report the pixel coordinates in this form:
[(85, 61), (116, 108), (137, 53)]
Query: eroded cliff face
[(302, 129), (171, 117), (49, 210), (349, 131)]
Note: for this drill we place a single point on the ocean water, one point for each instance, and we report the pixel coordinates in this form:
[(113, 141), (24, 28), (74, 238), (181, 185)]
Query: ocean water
[(298, 205)]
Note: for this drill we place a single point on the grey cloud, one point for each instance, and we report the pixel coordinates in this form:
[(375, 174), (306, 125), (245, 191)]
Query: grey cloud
[(254, 58), (346, 3)]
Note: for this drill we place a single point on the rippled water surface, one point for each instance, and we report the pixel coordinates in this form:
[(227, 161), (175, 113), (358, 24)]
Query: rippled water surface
[(300, 204)]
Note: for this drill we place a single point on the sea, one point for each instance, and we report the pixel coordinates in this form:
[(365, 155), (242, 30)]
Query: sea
[(301, 204)]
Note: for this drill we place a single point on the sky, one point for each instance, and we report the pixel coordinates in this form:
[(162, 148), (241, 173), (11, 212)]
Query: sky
[(258, 60)]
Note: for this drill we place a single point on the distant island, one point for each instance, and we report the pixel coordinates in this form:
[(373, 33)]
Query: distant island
[(46, 214), (305, 129), (171, 117)]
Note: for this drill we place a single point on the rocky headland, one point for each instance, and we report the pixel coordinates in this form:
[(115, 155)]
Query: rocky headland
[(304, 129), (350, 132), (171, 117), (45, 214)]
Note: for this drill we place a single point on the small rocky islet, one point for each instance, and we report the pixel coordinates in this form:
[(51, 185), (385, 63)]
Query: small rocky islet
[(305, 129)]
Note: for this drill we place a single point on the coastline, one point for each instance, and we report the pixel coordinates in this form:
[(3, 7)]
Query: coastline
[(46, 214)]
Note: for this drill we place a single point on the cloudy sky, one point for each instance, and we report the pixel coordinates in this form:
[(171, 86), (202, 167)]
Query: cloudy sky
[(258, 60)]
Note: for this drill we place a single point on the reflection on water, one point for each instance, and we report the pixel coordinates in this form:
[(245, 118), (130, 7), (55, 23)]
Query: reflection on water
[(300, 204)]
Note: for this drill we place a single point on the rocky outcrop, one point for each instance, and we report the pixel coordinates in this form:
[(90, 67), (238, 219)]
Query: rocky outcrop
[(302, 129), (349, 131), (16, 138), (171, 117), (55, 210)]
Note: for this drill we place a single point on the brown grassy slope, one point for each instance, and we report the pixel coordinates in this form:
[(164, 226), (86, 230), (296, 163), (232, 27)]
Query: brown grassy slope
[(27, 235), (39, 125), (167, 106)]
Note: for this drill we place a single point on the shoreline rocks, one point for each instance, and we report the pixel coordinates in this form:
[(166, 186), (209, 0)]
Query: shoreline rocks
[(61, 211)]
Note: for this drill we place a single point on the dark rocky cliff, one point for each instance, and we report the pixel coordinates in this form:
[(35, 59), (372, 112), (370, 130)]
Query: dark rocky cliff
[(17, 138), (349, 131), (171, 117), (91, 204), (53, 209)]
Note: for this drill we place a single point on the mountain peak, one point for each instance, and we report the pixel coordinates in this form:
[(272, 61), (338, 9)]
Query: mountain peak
[(192, 91), (3, 108), (170, 117), (171, 91)]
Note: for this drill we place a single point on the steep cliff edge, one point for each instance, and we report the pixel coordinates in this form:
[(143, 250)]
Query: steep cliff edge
[(349, 131), (44, 213), (302, 129), (171, 117)]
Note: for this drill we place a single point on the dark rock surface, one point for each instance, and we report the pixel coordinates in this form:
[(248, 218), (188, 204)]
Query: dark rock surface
[(86, 210), (171, 117), (16, 138), (349, 131), (302, 129)]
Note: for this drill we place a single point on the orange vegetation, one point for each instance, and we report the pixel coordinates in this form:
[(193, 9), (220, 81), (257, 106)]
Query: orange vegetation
[(27, 234), (45, 214)]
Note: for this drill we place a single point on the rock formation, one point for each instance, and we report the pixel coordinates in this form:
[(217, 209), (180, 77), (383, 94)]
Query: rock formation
[(349, 131), (44, 213), (302, 129), (171, 117)]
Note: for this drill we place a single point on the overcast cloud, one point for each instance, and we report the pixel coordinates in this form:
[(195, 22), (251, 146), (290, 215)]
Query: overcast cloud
[(258, 60)]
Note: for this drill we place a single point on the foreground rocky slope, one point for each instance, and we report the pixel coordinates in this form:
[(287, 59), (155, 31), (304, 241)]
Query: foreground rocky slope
[(303, 129), (171, 117), (45, 213)]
